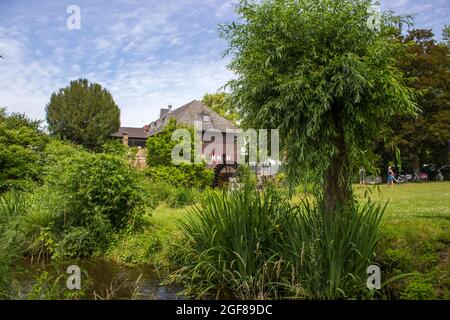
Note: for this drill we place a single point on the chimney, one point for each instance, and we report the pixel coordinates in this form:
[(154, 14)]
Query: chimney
[(125, 139), (163, 112), (170, 108)]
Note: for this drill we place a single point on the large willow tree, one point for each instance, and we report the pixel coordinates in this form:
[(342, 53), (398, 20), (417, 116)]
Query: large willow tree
[(320, 73)]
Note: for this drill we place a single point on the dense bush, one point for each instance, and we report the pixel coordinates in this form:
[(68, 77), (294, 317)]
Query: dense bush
[(161, 167), (86, 198), (116, 147), (257, 246), (21, 157), (104, 186)]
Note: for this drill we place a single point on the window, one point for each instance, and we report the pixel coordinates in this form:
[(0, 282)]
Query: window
[(206, 118)]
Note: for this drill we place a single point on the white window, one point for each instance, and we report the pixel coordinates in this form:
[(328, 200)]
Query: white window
[(206, 118)]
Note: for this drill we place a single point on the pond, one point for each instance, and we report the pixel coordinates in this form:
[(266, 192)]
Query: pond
[(100, 279)]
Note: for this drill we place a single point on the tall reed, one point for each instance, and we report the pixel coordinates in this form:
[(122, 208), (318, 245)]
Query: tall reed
[(252, 245)]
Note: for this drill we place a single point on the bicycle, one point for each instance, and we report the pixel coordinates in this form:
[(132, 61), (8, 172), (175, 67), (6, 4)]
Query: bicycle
[(403, 178)]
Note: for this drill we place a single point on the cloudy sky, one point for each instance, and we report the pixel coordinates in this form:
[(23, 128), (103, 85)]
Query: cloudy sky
[(147, 53)]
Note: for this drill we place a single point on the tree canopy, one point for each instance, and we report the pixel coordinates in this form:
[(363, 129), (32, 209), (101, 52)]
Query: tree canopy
[(220, 103), (318, 72), (424, 138), (83, 113)]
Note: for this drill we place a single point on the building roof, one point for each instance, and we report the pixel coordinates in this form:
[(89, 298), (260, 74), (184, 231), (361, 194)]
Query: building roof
[(188, 114), (133, 133)]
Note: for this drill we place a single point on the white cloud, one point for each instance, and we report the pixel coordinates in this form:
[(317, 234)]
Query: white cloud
[(141, 82)]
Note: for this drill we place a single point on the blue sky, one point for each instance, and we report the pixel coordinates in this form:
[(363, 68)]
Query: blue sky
[(148, 54)]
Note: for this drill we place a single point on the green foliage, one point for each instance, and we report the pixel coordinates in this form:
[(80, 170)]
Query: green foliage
[(156, 192), (313, 69), (21, 145), (192, 176), (81, 242), (420, 288), (249, 245), (43, 222), (86, 198), (182, 197), (12, 206), (229, 242), (136, 249), (426, 65), (103, 185), (46, 286), (446, 35), (159, 147), (115, 147), (162, 169), (220, 103), (83, 113)]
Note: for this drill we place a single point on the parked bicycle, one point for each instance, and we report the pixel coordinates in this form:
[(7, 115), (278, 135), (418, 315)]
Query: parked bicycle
[(403, 178), (373, 180)]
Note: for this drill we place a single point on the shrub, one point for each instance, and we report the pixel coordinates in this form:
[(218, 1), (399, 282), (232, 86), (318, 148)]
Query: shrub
[(136, 249), (86, 198), (419, 288), (12, 205), (21, 157), (79, 242), (161, 167), (115, 147), (330, 255), (105, 185)]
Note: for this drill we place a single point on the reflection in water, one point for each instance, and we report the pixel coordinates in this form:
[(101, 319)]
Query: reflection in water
[(102, 279)]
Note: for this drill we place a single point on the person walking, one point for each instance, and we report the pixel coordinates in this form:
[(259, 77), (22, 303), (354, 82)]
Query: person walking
[(362, 176), (390, 176)]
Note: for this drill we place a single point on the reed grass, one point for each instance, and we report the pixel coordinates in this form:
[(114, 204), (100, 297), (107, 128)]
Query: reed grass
[(252, 245)]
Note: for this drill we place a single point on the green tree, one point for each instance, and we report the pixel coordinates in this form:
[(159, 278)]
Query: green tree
[(161, 167), (424, 138), (446, 35), (318, 72), (220, 103), (83, 113)]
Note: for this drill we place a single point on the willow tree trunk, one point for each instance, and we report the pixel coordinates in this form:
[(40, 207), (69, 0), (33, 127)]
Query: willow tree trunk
[(336, 192), (337, 184)]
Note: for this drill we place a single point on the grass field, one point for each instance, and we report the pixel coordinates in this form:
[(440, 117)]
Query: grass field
[(415, 238), (412, 200)]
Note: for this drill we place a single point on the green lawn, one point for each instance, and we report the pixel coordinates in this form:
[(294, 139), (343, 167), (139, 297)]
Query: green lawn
[(412, 200), (415, 238)]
